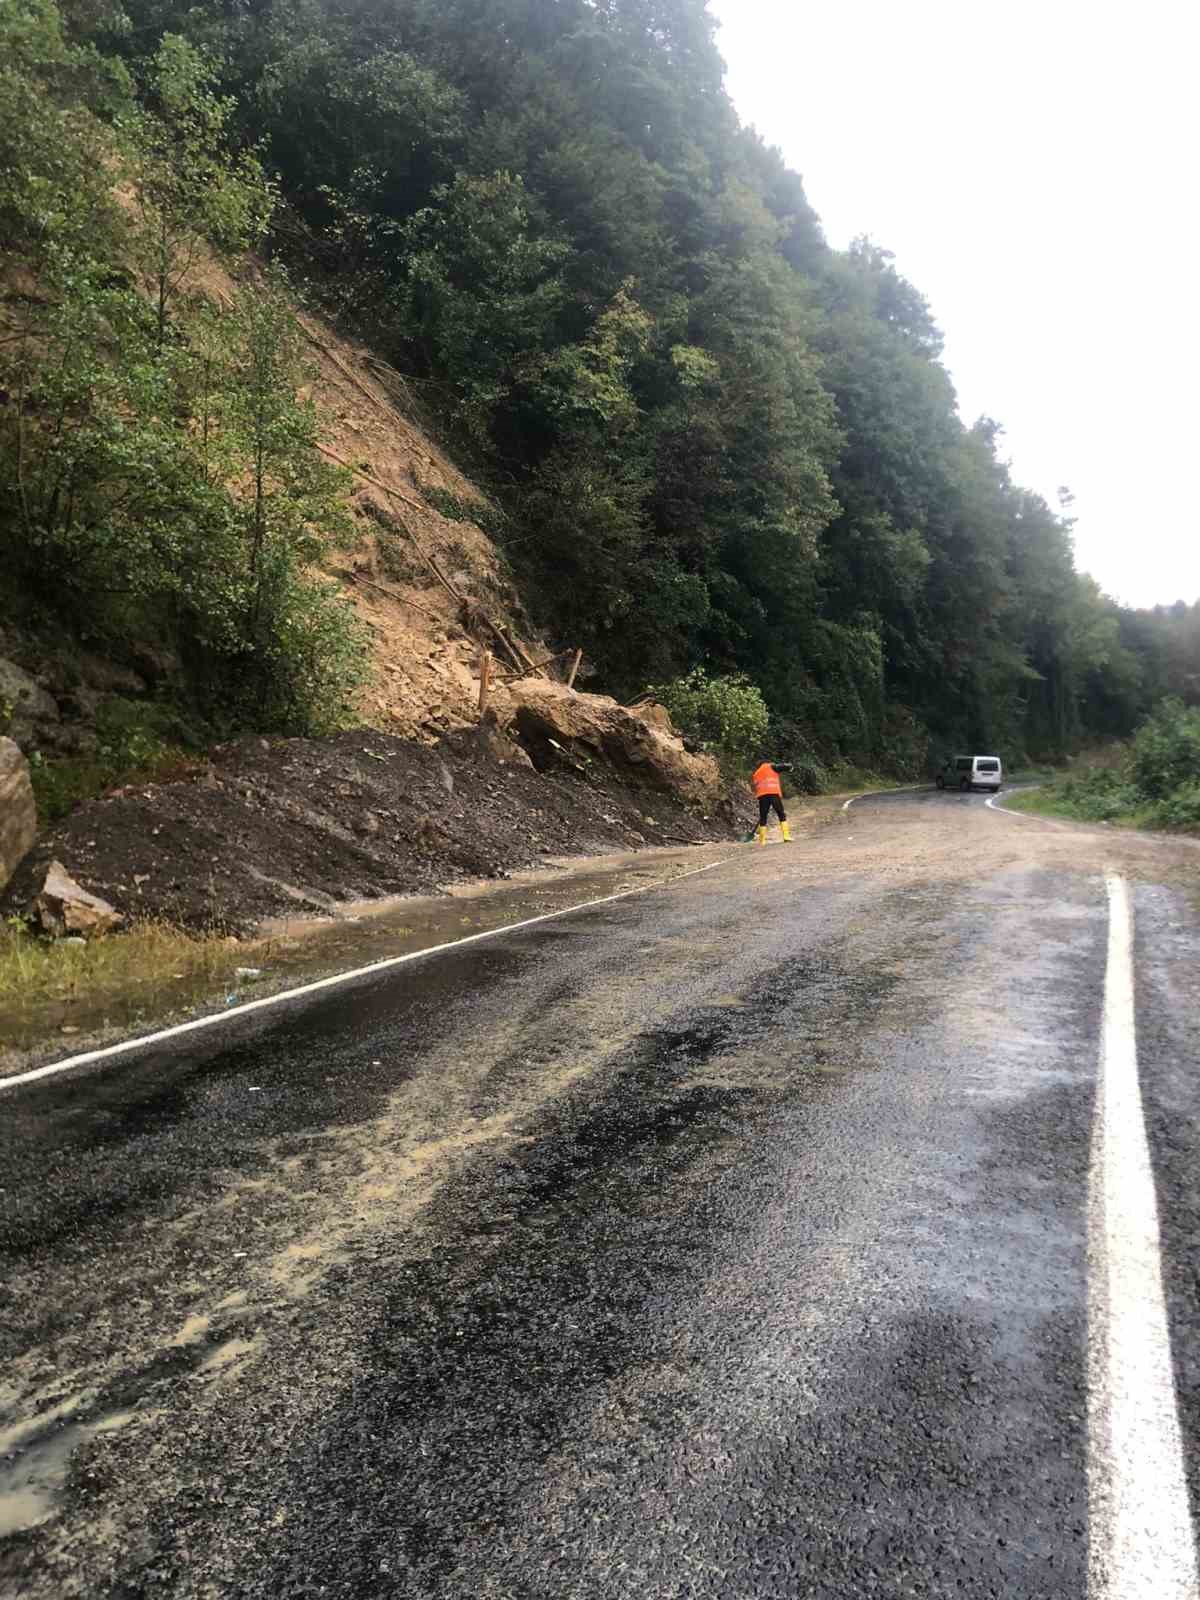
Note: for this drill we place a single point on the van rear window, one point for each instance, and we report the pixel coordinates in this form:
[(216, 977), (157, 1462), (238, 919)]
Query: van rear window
[(987, 766)]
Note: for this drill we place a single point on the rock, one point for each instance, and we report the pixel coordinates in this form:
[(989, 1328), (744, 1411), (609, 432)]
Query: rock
[(656, 715), (18, 813), (109, 678), (549, 713), (493, 742), (62, 906), (156, 665), (26, 706), (79, 703)]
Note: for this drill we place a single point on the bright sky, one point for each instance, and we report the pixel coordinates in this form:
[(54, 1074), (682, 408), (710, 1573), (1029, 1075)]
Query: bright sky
[(1033, 167)]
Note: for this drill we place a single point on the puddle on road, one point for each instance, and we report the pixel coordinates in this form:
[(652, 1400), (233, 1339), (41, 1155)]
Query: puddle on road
[(35, 1460), (304, 950)]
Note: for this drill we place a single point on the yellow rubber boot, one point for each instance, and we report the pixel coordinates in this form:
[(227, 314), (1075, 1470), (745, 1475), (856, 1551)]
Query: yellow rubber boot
[(762, 836), (786, 830)]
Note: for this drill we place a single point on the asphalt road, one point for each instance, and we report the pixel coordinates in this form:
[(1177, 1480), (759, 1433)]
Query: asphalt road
[(733, 1240)]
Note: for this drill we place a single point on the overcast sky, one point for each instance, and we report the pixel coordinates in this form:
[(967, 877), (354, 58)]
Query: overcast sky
[(1033, 167)]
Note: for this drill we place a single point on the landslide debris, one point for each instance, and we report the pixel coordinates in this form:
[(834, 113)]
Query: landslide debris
[(301, 827)]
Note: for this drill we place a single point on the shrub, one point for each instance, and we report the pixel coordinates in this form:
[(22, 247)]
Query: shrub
[(1096, 794), (1166, 750), (726, 715), (1179, 810), (137, 742)]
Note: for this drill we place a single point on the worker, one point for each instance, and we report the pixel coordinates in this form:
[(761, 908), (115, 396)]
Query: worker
[(768, 787)]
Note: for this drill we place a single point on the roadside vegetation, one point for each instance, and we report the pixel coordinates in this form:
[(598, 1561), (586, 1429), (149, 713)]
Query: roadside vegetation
[(1154, 782), (159, 480), (143, 972), (135, 744)]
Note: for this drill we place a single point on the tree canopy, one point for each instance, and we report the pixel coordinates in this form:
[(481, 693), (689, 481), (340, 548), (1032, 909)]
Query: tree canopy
[(719, 444)]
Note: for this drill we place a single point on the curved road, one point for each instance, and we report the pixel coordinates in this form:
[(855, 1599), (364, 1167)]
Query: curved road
[(766, 1235)]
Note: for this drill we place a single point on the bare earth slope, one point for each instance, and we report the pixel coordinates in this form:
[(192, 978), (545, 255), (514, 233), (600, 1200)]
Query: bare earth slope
[(408, 555)]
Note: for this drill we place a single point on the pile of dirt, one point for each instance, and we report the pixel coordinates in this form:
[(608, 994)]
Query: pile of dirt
[(300, 826)]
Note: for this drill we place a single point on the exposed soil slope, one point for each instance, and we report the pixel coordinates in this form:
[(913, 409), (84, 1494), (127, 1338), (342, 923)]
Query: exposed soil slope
[(409, 555)]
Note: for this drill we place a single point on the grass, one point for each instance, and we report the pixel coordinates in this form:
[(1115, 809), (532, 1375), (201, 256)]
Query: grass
[(61, 784), (1032, 774), (1063, 798), (1048, 801), (139, 971)]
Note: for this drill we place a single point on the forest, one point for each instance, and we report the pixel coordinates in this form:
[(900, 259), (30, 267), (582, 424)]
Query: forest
[(717, 449)]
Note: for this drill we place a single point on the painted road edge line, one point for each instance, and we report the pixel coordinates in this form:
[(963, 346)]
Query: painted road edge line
[(143, 1041), (1141, 1544), (873, 794), (993, 804)]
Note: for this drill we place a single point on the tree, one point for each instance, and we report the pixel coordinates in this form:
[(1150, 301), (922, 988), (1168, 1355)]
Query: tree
[(192, 195)]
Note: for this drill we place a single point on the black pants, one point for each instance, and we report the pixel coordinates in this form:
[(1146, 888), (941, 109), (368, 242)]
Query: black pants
[(768, 803)]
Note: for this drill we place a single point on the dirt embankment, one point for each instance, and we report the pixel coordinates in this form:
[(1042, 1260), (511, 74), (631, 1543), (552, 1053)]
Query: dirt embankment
[(302, 826)]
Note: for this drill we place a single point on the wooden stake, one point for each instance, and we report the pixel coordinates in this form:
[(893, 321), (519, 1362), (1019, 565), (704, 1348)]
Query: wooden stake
[(536, 666), (485, 680), (574, 669)]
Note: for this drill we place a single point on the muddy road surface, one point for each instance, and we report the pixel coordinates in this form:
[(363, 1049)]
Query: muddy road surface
[(822, 1224)]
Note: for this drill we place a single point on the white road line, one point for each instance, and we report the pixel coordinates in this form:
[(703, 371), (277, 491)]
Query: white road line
[(873, 794), (1141, 1539), (219, 1017), (994, 805)]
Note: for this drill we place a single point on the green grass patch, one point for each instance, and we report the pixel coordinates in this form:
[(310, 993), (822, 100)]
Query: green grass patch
[(1032, 774), (1080, 798), (144, 966)]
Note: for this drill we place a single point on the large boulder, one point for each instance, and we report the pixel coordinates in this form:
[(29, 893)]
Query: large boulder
[(548, 714), (27, 712), (656, 716), (18, 813), (62, 906)]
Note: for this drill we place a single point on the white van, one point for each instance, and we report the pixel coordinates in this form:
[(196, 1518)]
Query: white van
[(970, 772)]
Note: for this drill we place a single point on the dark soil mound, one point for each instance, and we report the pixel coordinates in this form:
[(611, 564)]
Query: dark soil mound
[(300, 825)]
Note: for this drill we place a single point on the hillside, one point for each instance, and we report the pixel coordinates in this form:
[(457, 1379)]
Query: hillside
[(717, 456), (406, 554)]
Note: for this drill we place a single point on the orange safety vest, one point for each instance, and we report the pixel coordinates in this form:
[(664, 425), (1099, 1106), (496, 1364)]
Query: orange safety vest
[(766, 781)]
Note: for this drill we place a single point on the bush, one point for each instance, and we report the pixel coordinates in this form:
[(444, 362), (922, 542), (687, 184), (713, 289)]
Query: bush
[(1098, 795), (726, 715), (808, 773), (1166, 750), (1178, 810), (136, 743)]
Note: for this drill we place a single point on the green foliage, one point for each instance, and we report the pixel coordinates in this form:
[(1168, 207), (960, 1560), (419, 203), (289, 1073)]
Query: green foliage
[(136, 743), (480, 290), (159, 478), (1155, 783), (706, 436), (1179, 810), (726, 715), (1166, 751), (191, 193)]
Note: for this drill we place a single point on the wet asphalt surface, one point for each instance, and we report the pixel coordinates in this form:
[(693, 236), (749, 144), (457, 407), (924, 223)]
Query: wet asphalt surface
[(725, 1241)]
